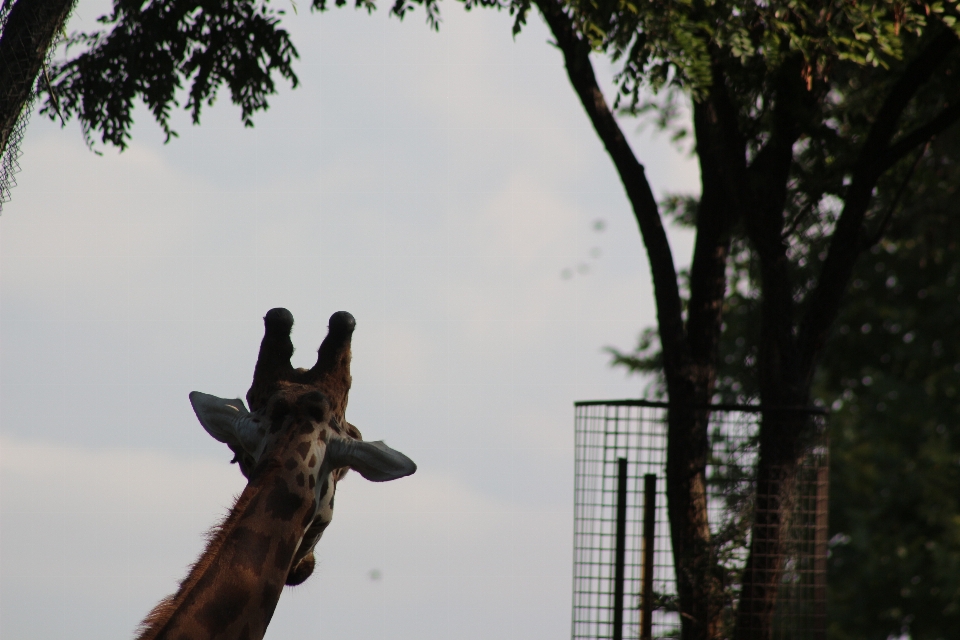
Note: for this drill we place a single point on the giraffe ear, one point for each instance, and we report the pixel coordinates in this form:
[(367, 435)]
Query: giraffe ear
[(375, 461), (228, 421)]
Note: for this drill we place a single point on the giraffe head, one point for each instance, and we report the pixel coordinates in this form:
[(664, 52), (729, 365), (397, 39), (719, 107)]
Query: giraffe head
[(296, 431)]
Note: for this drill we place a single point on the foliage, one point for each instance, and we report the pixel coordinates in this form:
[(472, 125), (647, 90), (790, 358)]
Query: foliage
[(153, 48), (891, 375), (679, 42), (150, 50)]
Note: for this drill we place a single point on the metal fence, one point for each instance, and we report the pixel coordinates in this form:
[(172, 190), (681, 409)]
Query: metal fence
[(10, 153), (624, 583)]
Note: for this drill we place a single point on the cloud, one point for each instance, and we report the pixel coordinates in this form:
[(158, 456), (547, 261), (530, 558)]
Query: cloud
[(113, 530), (101, 531)]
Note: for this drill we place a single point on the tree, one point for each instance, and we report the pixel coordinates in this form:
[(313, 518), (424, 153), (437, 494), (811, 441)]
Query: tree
[(154, 47), (800, 112), (891, 375)]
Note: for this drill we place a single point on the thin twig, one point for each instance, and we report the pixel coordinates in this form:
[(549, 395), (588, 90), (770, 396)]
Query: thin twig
[(888, 217), (56, 103), (796, 221)]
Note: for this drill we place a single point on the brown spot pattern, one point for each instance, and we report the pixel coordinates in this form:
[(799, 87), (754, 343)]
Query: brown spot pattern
[(315, 405), (269, 600), (252, 548), (284, 553), (282, 503), (223, 608), (278, 415)]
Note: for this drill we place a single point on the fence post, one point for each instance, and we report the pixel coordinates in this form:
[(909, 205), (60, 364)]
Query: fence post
[(621, 549), (649, 529)]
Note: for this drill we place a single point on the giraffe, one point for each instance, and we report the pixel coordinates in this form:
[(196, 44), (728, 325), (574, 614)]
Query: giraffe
[(293, 446)]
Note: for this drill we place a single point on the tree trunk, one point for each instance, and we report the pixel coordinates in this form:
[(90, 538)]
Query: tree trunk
[(690, 385), (698, 587), (690, 349), (781, 450), (785, 392), (27, 35)]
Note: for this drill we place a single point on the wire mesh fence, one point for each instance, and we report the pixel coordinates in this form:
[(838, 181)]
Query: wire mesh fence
[(16, 67), (624, 581), (10, 151)]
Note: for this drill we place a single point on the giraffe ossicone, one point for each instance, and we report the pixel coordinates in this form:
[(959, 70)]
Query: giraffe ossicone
[(293, 445)]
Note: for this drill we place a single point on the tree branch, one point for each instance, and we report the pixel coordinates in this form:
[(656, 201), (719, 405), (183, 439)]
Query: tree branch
[(876, 156), (918, 136), (770, 170), (914, 76), (576, 53), (715, 216), (885, 221), (769, 174)]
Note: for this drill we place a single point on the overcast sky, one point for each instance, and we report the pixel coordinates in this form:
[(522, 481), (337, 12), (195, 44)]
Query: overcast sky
[(446, 189)]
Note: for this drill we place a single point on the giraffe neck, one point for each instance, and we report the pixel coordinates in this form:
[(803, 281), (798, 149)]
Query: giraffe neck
[(233, 589)]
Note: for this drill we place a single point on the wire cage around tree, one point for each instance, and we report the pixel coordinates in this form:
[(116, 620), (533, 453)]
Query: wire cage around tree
[(624, 583)]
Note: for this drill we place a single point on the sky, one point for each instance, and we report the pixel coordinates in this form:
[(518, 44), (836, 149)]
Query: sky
[(446, 189)]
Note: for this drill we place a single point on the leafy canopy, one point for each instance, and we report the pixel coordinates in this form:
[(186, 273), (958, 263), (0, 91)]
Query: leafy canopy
[(664, 42), (152, 50)]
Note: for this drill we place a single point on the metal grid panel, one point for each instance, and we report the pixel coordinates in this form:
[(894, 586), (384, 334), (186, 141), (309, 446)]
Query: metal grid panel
[(10, 155), (800, 610), (636, 431), (604, 434)]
